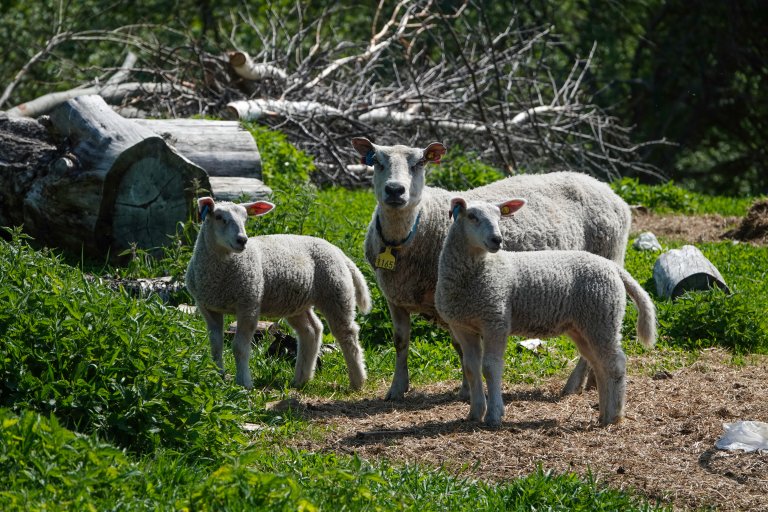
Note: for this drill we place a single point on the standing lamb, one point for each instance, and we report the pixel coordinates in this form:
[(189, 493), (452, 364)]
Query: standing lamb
[(486, 295), (567, 211), (275, 276)]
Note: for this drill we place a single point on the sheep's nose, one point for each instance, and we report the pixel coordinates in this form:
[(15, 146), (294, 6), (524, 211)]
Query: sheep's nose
[(394, 189), (241, 240), (494, 243)]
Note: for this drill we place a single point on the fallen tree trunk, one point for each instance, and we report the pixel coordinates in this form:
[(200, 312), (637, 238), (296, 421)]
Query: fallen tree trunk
[(118, 186), (222, 148), (102, 184)]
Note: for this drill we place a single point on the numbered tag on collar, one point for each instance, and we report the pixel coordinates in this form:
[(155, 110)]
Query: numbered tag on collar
[(387, 258)]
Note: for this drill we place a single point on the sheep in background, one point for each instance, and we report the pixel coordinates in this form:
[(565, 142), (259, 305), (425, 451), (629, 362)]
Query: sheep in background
[(486, 295), (566, 210), (274, 276)]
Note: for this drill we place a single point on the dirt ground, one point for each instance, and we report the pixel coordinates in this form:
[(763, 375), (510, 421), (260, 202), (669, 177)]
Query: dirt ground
[(664, 450), (752, 228)]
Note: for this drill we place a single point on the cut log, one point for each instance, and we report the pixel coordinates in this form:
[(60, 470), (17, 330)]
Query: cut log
[(119, 185), (684, 269), (222, 148), (235, 189)]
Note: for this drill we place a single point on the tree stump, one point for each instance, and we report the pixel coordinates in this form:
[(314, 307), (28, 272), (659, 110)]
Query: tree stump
[(684, 269)]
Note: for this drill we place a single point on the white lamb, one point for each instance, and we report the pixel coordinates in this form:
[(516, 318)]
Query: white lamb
[(566, 211), (275, 276), (486, 295)]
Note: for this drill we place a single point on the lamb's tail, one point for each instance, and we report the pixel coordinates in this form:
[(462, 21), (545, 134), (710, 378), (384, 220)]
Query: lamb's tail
[(362, 294), (646, 311)]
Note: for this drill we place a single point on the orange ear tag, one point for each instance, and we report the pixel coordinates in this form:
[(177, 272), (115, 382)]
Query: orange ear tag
[(386, 259)]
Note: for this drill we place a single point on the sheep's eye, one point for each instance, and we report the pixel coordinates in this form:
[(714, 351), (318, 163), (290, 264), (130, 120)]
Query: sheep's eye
[(220, 218), (472, 217)]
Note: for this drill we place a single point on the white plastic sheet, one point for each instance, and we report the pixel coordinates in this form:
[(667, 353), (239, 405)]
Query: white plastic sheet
[(749, 436)]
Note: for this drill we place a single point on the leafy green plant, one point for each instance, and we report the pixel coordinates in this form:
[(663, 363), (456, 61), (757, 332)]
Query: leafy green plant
[(671, 198), (101, 361), (462, 170), (283, 166)]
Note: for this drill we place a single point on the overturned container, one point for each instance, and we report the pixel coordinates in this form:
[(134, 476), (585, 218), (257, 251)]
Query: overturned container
[(680, 270)]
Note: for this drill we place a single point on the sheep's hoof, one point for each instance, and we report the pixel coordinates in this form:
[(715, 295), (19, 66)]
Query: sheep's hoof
[(464, 393), (492, 422), (396, 393)]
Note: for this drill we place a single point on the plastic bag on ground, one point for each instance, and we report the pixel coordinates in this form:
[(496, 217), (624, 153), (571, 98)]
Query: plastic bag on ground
[(749, 436)]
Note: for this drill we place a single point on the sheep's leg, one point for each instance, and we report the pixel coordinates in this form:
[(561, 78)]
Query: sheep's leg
[(309, 330), (578, 380), (241, 346), (611, 385), (472, 360), (464, 390), (345, 330), (215, 323), (494, 346), (401, 324)]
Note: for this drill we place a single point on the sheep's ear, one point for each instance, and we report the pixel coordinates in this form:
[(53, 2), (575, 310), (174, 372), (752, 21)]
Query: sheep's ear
[(458, 205), (204, 206), (434, 152), (363, 145), (509, 207), (258, 208)]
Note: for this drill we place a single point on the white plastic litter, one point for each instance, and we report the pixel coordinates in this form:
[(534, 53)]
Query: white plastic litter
[(646, 242), (749, 436), (532, 344)]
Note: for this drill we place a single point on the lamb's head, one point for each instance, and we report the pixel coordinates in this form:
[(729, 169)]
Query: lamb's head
[(225, 222), (479, 221), (398, 171)]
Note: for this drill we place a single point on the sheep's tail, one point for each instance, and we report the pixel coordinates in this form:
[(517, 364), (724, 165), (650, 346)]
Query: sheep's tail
[(646, 311), (362, 294)]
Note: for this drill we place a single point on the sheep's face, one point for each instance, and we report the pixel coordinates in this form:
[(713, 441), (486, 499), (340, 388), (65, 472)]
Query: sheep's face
[(226, 222), (398, 171), (480, 221)]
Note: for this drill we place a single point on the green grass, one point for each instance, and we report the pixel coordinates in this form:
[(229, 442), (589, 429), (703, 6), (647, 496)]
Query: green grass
[(108, 402)]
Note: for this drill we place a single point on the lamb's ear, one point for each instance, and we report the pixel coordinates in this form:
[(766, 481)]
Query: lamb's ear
[(458, 205), (204, 206), (509, 207), (434, 152), (258, 207)]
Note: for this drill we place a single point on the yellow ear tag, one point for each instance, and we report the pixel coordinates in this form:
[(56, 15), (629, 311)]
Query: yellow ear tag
[(505, 210), (386, 259)]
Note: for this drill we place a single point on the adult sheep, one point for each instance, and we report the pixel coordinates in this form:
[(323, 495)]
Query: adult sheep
[(566, 211), (486, 295), (282, 276)]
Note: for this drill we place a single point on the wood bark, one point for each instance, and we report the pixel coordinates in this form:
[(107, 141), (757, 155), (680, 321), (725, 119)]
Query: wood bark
[(115, 184), (684, 269), (222, 148)]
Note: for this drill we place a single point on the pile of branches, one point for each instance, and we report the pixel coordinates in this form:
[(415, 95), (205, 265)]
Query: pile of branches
[(424, 74)]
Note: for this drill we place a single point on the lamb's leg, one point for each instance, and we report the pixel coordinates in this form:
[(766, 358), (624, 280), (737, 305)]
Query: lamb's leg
[(345, 330), (401, 324), (578, 379), (472, 360), (215, 323), (611, 375), (309, 330), (494, 346), (241, 346), (464, 390)]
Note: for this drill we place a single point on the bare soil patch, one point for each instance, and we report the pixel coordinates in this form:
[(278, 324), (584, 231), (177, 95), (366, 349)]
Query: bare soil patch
[(752, 228), (664, 449)]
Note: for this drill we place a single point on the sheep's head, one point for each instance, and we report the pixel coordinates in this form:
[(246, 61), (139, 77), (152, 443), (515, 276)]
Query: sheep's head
[(226, 221), (398, 171), (480, 221)]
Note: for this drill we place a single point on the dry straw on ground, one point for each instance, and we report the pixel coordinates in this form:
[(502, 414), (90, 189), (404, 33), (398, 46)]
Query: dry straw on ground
[(664, 449)]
